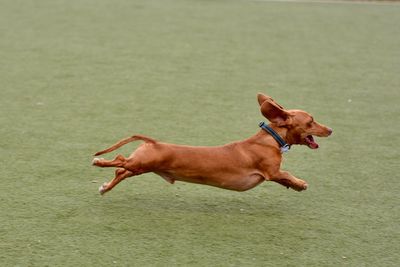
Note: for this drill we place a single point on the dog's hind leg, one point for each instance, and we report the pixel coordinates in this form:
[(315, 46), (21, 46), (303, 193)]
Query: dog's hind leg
[(119, 161), (120, 174)]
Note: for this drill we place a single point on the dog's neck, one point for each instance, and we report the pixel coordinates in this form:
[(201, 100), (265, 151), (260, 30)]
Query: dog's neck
[(283, 145), (286, 134), (283, 133)]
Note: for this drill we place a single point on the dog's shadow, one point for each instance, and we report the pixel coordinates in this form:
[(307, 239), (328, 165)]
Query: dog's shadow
[(205, 203)]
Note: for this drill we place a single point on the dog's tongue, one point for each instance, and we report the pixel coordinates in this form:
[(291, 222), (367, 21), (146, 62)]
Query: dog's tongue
[(311, 143)]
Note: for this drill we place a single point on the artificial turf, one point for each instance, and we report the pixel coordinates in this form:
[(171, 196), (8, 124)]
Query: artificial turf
[(76, 76)]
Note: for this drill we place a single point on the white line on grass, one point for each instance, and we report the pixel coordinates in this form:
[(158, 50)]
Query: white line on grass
[(362, 2)]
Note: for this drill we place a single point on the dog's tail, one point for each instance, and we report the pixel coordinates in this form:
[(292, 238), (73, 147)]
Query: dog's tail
[(126, 141)]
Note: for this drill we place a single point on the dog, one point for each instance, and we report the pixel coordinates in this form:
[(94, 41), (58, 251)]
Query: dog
[(237, 166)]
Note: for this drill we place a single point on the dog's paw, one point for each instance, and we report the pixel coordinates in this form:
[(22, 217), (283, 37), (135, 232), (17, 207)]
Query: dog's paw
[(102, 188), (96, 160), (300, 187)]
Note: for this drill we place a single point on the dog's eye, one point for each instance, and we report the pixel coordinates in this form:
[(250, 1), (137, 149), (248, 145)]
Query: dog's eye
[(309, 124)]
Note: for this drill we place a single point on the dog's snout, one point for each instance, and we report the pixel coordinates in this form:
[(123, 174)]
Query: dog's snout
[(330, 131)]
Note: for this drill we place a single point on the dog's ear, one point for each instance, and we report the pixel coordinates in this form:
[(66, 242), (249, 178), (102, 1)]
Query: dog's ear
[(273, 111), (262, 98)]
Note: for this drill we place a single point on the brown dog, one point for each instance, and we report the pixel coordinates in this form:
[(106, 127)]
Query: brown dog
[(236, 166)]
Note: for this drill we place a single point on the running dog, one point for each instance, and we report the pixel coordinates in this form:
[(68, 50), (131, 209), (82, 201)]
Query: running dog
[(238, 166)]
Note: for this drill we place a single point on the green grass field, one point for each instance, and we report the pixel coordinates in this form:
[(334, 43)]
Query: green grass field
[(76, 76)]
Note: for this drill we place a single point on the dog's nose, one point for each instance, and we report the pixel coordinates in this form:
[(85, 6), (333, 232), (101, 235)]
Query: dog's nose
[(330, 131)]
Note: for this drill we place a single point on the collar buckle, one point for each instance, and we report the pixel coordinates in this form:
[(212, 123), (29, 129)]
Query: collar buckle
[(285, 148)]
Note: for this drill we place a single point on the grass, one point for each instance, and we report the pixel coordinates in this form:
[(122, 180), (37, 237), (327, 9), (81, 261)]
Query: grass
[(76, 76)]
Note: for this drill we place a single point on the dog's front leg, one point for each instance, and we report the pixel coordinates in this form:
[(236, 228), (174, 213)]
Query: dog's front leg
[(286, 179)]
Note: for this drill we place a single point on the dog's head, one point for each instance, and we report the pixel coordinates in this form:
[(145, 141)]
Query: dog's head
[(300, 125)]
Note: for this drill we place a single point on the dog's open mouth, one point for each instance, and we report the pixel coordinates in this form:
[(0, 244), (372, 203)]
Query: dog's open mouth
[(311, 142)]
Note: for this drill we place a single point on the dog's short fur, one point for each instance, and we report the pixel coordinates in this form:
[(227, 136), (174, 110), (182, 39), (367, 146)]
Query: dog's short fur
[(237, 166)]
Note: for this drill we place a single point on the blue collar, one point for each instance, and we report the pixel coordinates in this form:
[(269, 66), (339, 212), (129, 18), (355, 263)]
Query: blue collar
[(284, 146)]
